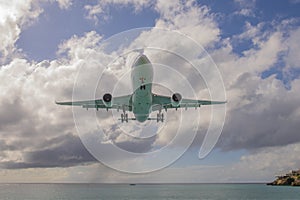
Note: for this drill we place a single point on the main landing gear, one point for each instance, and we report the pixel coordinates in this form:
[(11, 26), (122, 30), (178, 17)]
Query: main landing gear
[(160, 117), (124, 115)]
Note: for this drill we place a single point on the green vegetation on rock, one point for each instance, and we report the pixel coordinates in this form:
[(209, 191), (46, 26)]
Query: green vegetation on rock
[(292, 179)]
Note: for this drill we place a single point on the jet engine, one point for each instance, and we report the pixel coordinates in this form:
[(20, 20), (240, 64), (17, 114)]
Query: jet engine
[(107, 100), (176, 99)]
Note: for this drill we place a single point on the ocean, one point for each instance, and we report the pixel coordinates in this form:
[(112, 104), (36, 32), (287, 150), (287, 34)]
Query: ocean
[(146, 191)]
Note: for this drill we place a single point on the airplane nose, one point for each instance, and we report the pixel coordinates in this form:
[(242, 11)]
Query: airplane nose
[(141, 60), (141, 118)]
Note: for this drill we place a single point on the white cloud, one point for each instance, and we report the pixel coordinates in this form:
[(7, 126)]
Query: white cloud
[(259, 166), (78, 48), (251, 32), (261, 112), (13, 15), (201, 25), (64, 4), (100, 9), (27, 108), (94, 11), (173, 15), (247, 7), (292, 58), (262, 56), (245, 12)]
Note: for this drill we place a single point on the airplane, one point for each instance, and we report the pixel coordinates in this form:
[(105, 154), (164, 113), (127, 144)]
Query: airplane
[(142, 101)]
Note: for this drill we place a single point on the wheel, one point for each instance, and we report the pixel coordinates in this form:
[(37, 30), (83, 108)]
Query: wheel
[(126, 117), (158, 117), (162, 117), (122, 117)]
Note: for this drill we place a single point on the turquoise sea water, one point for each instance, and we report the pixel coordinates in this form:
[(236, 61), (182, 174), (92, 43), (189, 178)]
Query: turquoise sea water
[(147, 192)]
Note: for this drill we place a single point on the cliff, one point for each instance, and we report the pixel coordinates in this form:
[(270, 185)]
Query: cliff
[(292, 179)]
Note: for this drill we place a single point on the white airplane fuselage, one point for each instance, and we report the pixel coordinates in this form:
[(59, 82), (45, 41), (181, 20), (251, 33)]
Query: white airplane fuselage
[(142, 77)]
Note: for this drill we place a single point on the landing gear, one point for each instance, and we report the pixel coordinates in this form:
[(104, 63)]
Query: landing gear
[(160, 117), (124, 117)]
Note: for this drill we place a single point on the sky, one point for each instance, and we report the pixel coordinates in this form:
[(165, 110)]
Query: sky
[(48, 45)]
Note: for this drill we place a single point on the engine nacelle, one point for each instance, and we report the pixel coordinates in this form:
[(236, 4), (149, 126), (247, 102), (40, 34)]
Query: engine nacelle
[(176, 99), (107, 100)]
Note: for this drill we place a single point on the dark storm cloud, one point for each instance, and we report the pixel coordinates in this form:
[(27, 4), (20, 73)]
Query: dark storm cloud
[(4, 146), (265, 121), (68, 151), (255, 131), (128, 142), (11, 112)]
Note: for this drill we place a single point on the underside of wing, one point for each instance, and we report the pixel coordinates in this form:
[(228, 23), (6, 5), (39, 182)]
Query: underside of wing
[(175, 101), (108, 102)]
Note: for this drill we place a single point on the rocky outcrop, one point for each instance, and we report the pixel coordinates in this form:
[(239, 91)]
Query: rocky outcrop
[(291, 179)]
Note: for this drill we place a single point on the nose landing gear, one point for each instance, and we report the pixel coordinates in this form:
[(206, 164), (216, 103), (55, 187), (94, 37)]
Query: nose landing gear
[(124, 117)]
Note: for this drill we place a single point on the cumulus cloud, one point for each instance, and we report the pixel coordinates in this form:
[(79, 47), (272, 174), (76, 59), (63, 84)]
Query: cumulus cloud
[(173, 15), (27, 110), (201, 25), (246, 8), (64, 4), (292, 59), (262, 113), (30, 119), (100, 9), (62, 151), (263, 116), (260, 109), (14, 15)]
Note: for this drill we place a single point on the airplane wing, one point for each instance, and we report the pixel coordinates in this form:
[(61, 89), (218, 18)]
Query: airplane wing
[(121, 102), (165, 102)]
